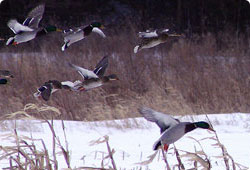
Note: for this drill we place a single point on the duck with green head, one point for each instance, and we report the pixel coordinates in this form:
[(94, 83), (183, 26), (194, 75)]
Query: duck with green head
[(171, 129), (74, 35), (29, 29), (176, 132)]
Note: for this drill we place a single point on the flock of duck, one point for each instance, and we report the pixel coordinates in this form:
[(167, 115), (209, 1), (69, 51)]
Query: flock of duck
[(171, 129)]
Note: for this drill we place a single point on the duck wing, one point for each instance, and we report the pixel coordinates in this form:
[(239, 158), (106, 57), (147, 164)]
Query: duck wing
[(148, 34), (86, 74), (101, 66), (164, 121), (16, 27), (34, 16), (98, 31)]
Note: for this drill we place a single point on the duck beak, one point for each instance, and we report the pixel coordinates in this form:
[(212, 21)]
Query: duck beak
[(102, 27), (58, 30), (211, 129), (175, 35), (114, 79)]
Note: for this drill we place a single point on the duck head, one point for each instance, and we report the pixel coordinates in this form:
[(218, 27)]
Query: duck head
[(97, 24), (52, 28), (204, 125)]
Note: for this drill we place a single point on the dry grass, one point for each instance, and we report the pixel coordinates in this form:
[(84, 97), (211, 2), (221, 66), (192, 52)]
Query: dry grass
[(201, 74)]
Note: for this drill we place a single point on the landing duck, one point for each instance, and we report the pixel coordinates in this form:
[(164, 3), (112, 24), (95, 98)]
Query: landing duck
[(74, 35), (174, 129), (29, 29), (151, 39)]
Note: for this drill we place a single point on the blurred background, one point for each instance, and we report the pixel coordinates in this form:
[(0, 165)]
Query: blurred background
[(206, 71)]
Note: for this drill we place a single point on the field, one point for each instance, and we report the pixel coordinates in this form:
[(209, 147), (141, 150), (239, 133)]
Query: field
[(129, 141)]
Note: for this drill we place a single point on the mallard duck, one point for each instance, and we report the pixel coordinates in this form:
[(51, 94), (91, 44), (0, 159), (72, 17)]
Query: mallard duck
[(4, 74), (29, 29), (151, 39), (174, 129), (51, 86), (95, 78), (74, 35)]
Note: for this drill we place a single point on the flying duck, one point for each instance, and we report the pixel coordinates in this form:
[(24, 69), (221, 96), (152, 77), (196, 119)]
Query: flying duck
[(174, 129), (95, 78), (51, 86), (4, 74), (74, 35), (151, 39), (29, 29)]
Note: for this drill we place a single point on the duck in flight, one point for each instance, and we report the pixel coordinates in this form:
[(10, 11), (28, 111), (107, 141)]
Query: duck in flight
[(74, 35), (29, 29), (151, 39), (91, 80), (4, 76), (171, 129)]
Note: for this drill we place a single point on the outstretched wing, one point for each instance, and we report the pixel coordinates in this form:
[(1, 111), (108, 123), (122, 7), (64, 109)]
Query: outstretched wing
[(164, 121), (148, 34), (99, 31), (16, 27), (101, 66), (86, 74), (34, 16)]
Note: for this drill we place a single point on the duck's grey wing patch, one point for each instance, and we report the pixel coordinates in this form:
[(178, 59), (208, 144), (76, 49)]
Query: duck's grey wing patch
[(164, 121), (148, 34), (16, 27), (86, 74), (101, 66)]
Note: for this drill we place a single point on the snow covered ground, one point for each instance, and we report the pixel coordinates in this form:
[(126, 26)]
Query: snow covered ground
[(132, 140)]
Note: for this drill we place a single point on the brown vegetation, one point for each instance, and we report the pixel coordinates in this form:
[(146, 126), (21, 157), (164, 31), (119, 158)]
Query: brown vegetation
[(202, 74)]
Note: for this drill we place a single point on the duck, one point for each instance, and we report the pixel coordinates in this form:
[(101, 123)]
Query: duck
[(4, 75), (95, 78), (153, 38), (74, 35), (29, 30), (174, 129), (50, 87)]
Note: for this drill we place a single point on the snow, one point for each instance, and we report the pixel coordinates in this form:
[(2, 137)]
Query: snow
[(132, 140)]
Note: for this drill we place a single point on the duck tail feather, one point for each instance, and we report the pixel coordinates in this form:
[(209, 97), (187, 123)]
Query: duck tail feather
[(10, 41), (157, 145), (136, 49)]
